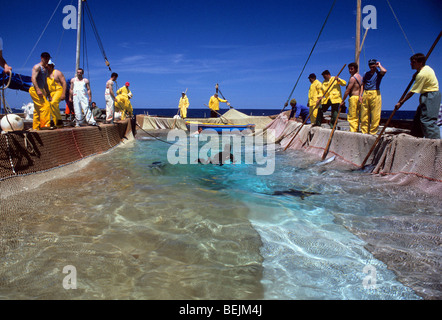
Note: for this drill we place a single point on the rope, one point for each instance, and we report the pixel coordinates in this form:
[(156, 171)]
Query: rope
[(85, 54), (400, 26), (10, 156), (44, 30), (97, 36), (311, 52), (156, 137), (76, 144)]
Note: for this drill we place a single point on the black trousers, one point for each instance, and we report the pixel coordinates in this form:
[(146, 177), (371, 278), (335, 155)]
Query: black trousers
[(334, 113)]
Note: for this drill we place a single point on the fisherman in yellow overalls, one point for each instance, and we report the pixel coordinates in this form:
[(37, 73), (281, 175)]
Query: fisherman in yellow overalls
[(40, 94), (214, 105), (333, 97), (183, 105), (353, 92), (314, 93), (122, 101), (57, 88), (371, 97)]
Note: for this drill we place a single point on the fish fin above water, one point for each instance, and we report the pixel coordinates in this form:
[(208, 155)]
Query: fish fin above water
[(294, 193), (326, 161)]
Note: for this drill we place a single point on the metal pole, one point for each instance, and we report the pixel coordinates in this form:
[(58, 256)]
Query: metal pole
[(77, 65)]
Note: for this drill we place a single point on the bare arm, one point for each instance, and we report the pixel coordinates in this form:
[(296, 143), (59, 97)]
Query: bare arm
[(71, 91), (383, 70), (351, 83), (401, 102), (89, 92), (62, 80), (3, 63), (361, 92), (111, 89), (35, 71)]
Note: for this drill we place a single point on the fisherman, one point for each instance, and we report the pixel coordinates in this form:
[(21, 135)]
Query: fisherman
[(57, 88), (370, 97), (198, 132), (214, 105), (333, 97), (183, 105), (122, 101), (40, 94), (220, 158), (353, 91), (125, 89), (3, 63), (299, 111), (426, 83), (80, 93), (96, 112), (109, 96), (314, 93)]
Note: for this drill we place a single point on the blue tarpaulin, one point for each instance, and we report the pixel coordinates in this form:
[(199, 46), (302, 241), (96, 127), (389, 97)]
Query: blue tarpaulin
[(18, 81)]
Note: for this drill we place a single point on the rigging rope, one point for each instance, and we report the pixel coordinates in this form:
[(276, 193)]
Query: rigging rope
[(97, 36), (311, 52), (400, 26), (44, 30), (85, 55)]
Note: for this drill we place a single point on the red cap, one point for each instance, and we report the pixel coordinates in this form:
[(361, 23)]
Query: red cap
[(127, 84)]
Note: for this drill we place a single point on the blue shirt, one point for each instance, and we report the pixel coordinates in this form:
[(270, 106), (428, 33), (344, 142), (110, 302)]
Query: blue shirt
[(372, 81), (300, 110)]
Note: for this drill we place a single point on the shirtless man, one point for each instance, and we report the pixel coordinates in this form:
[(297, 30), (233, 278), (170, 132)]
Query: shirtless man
[(40, 94), (109, 96), (57, 88), (353, 91), (80, 93)]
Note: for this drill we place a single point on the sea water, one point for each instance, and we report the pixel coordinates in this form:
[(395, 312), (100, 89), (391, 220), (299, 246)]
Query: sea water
[(131, 226)]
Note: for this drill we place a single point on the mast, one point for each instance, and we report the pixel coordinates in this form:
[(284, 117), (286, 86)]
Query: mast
[(358, 31), (77, 65)]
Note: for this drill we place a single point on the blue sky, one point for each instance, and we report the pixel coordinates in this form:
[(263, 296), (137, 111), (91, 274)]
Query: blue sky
[(255, 50)]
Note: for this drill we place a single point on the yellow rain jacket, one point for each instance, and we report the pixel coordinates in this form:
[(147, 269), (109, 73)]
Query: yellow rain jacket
[(334, 94), (214, 103), (122, 102), (183, 105), (123, 90), (314, 93)]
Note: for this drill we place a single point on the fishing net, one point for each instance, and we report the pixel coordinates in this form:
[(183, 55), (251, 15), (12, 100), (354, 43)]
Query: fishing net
[(408, 244), (25, 153), (232, 116), (398, 158)]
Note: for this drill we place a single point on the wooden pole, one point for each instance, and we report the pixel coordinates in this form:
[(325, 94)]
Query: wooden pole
[(358, 31), (317, 104), (324, 155), (362, 45)]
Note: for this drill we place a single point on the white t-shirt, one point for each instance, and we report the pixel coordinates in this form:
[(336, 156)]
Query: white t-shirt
[(1, 44)]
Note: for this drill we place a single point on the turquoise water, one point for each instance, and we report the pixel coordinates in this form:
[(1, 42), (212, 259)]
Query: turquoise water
[(136, 231)]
